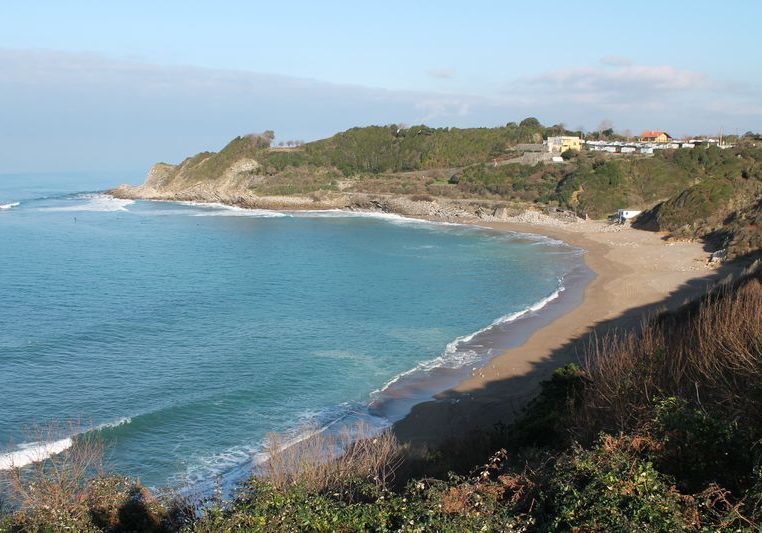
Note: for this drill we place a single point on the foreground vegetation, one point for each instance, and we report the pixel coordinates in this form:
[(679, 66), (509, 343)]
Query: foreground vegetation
[(658, 430)]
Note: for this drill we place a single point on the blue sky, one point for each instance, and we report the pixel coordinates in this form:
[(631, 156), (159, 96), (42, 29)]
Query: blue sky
[(118, 85)]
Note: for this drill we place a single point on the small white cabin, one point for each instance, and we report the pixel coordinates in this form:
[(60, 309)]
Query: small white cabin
[(626, 214)]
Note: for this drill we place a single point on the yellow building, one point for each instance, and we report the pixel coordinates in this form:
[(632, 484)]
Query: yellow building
[(563, 143), (655, 136)]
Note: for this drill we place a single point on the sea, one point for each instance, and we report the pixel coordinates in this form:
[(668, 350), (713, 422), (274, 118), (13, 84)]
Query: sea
[(182, 334)]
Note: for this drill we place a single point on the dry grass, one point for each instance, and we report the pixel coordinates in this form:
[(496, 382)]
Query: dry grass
[(70, 491), (60, 481), (709, 352), (334, 462)]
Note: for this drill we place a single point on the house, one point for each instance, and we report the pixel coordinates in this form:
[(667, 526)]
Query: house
[(655, 136), (562, 143), (626, 214)]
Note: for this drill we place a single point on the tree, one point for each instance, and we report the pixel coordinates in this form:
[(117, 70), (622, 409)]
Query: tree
[(262, 140), (558, 129), (530, 122)]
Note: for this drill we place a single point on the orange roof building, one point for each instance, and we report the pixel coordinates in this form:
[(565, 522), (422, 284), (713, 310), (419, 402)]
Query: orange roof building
[(655, 136)]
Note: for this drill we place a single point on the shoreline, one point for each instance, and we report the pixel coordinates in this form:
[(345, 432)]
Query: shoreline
[(636, 273)]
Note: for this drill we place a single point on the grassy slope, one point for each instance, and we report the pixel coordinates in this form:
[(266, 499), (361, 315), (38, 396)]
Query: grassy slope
[(722, 204)]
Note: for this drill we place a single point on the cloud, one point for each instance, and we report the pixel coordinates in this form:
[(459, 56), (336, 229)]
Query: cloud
[(441, 73), (439, 107), (82, 111), (641, 97), (616, 61), (79, 111), (625, 81)]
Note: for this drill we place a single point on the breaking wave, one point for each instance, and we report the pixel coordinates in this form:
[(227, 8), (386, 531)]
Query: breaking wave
[(93, 202), (236, 463), (462, 352), (28, 453), (33, 452)]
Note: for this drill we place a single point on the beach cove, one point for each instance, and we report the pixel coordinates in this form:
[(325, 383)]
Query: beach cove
[(204, 326), (637, 274)]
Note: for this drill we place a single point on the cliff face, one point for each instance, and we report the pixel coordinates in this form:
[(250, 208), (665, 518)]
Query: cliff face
[(164, 182), (244, 174)]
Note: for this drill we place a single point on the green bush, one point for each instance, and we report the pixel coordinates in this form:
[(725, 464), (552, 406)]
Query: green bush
[(609, 489), (700, 449)]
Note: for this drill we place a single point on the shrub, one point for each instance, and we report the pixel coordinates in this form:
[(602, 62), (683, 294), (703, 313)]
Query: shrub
[(608, 489), (700, 449), (709, 352)]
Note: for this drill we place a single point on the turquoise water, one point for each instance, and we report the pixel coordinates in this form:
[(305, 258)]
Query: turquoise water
[(185, 333)]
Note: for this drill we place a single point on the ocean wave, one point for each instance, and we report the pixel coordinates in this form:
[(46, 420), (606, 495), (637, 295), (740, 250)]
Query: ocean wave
[(111, 425), (239, 212), (228, 468), (381, 215), (10, 205), (93, 202), (233, 465), (33, 452), (215, 209), (457, 354)]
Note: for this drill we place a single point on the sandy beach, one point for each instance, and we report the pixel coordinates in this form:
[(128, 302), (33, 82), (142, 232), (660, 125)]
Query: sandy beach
[(637, 273)]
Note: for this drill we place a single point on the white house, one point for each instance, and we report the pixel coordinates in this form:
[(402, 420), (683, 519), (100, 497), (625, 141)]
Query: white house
[(626, 214)]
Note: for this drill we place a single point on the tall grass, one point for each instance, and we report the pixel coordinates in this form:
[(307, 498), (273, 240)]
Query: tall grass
[(708, 353), (58, 481), (71, 491), (333, 462)]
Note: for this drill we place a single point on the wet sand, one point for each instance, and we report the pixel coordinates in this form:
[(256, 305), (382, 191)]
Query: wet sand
[(637, 273)]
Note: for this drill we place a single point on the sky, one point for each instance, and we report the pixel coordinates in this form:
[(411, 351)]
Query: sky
[(92, 85)]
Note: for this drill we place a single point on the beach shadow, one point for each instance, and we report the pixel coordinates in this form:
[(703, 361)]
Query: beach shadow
[(455, 416)]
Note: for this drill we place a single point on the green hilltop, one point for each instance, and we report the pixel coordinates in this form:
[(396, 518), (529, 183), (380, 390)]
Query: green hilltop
[(700, 192)]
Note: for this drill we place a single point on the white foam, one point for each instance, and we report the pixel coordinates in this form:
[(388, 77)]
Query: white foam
[(107, 425), (10, 205), (33, 452), (228, 468), (455, 356), (236, 463), (254, 213), (217, 209), (94, 202), (389, 217)]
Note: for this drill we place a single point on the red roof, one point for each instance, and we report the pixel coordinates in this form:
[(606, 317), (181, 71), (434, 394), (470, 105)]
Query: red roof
[(653, 134)]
